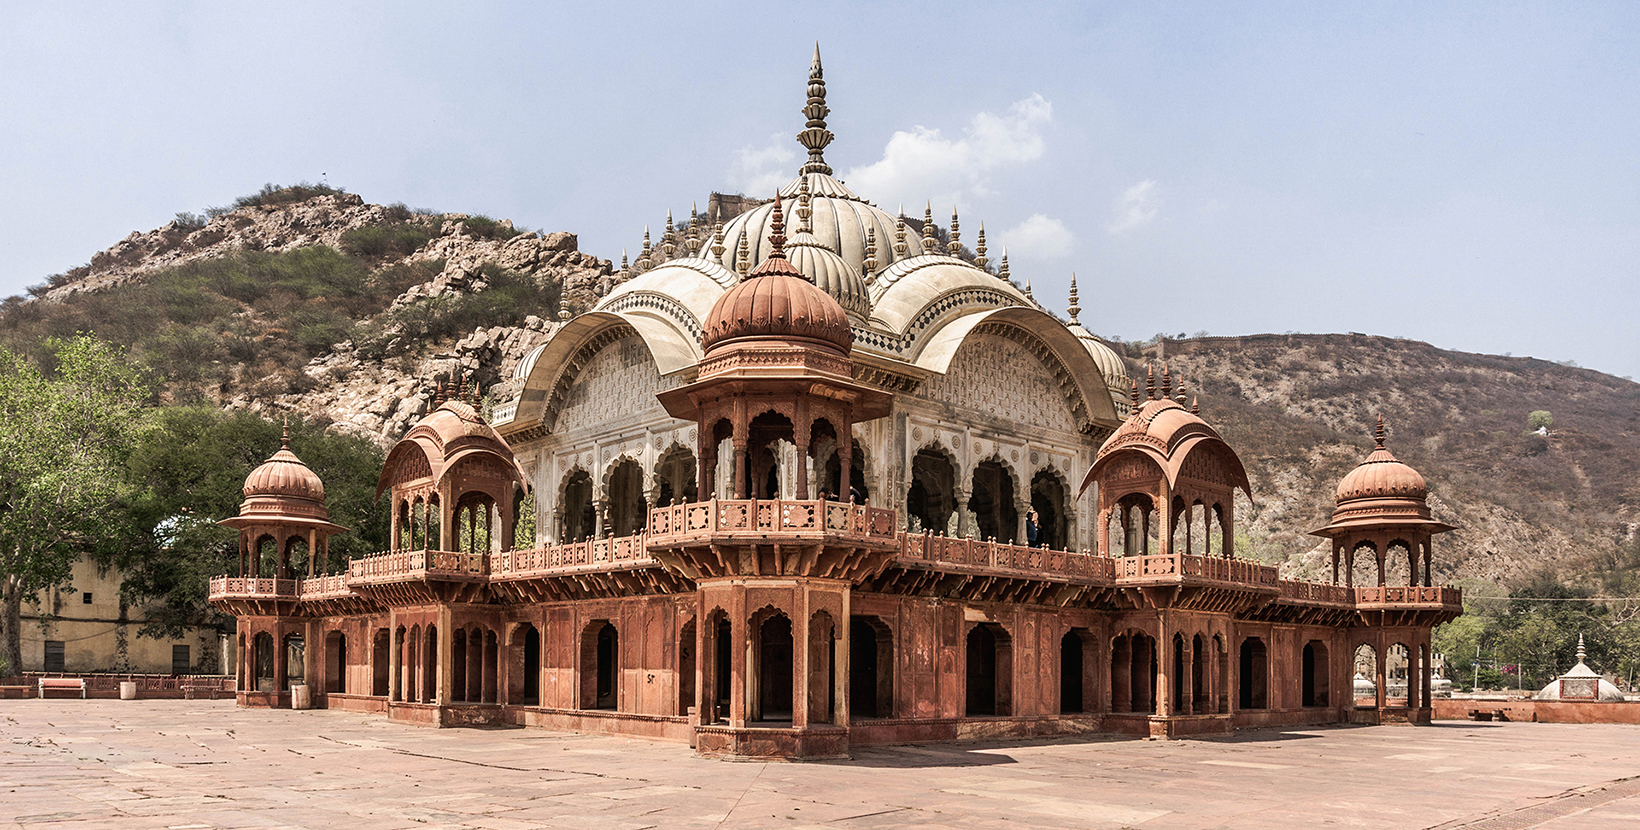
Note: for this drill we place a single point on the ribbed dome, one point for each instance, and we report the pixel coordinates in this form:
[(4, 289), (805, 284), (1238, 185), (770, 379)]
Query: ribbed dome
[(285, 475), (1381, 476), (775, 301), (839, 222), (1109, 362), (823, 267)]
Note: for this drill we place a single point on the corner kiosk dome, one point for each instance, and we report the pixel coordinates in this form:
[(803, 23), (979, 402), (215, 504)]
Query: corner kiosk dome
[(284, 487), (776, 302), (1381, 491)]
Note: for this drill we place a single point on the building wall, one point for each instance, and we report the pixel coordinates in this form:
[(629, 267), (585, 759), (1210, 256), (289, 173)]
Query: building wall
[(102, 635)]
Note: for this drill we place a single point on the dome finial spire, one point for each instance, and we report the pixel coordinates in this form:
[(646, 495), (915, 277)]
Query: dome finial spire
[(1002, 270), (1378, 432), (870, 264), (815, 136), (1580, 652), (743, 255), (777, 230), (979, 248), (717, 240), (928, 241), (804, 211), (1150, 381), (284, 437), (1073, 309), (1167, 383), (899, 235), (955, 245)]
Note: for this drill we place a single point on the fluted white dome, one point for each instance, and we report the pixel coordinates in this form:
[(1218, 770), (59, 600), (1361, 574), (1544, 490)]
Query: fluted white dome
[(839, 222)]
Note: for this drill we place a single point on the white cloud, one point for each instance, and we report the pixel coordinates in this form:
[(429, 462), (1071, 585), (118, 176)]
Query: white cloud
[(1037, 238), (926, 163), (1138, 205), (758, 171)]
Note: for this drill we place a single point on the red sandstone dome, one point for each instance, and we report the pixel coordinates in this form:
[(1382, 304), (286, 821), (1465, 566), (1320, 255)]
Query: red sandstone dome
[(286, 476), (1382, 475), (775, 301)]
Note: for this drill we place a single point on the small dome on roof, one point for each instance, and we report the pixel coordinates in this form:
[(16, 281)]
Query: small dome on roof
[(285, 475), (1382, 475), (829, 273), (775, 301)]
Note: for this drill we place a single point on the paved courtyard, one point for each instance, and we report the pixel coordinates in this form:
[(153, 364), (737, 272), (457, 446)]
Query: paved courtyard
[(192, 764)]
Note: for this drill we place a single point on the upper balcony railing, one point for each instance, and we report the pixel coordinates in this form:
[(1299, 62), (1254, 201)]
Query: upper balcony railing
[(625, 551), (1316, 592), (327, 586), (1409, 595), (1164, 567), (235, 587), (1002, 556), (782, 517), (401, 563)]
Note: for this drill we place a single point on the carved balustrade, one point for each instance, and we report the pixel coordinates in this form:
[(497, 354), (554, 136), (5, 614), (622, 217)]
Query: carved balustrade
[(592, 554), (1409, 595), (229, 587), (1316, 592), (1178, 565), (1002, 556), (419, 563), (816, 518), (329, 586)]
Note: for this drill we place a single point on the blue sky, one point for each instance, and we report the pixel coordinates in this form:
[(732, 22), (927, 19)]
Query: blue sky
[(1464, 174)]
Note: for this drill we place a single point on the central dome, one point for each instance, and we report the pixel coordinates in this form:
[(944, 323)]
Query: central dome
[(775, 301), (1382, 475), (286, 476)]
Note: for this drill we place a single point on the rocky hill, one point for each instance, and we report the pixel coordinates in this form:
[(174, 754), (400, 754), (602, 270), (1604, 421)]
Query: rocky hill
[(315, 302)]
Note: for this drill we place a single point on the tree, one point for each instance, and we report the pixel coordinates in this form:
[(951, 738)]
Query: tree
[(187, 475), (65, 431), (1540, 419)]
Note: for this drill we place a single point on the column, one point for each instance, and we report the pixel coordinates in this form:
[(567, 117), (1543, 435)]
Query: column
[(1023, 507), (801, 439), (1381, 694), (1187, 680), (962, 512), (740, 467)]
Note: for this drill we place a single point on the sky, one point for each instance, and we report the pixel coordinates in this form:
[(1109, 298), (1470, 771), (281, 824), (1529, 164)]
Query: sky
[(1463, 174)]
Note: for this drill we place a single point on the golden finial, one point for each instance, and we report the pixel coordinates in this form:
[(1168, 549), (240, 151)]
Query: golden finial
[(1074, 309), (815, 136)]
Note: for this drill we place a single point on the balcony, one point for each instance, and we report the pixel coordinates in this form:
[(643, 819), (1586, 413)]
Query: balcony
[(591, 555), (401, 565), (1180, 568), (1003, 558), (771, 520), (224, 588)]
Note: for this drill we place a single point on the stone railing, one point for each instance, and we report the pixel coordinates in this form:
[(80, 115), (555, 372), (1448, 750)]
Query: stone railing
[(947, 550), (771, 516), (1408, 595), (418, 562), (234, 586), (1141, 568), (328, 586), (1316, 592), (590, 554)]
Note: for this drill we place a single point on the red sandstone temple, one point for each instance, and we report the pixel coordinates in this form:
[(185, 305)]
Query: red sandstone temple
[(734, 607)]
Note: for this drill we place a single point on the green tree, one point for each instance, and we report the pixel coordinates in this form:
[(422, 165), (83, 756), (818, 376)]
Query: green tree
[(188, 474), (1540, 419), (66, 429)]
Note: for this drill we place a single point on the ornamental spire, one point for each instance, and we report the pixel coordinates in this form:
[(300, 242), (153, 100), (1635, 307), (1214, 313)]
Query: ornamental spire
[(899, 236), (624, 276), (928, 241), (1027, 285), (669, 239), (804, 211), (954, 246), (815, 136), (1167, 383), (870, 264), (1378, 431), (1133, 393), (979, 249), (1002, 270), (284, 437), (563, 298), (717, 241), (1195, 406), (1150, 381), (1179, 393), (1581, 654), (1073, 309), (743, 255), (694, 241)]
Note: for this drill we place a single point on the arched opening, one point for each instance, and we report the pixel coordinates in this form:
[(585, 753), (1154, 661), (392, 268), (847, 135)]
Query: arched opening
[(473, 522), (675, 477), (822, 668), (871, 668), (298, 561), (265, 681), (1142, 672), (990, 670), (1398, 670), (335, 662), (473, 667), (458, 666), (1364, 683), (402, 645), (1316, 673), (1363, 565), (295, 661), (1254, 676), (1221, 674), (1075, 681), (267, 558), (600, 675), (773, 650), (492, 666), (686, 667), (994, 502), (381, 658), (1048, 500), (856, 490), (532, 666), (524, 519), (1134, 513), (722, 669), (627, 510), (769, 436), (930, 503), (579, 517), (1398, 564), (1177, 702), (429, 669), (1200, 661)]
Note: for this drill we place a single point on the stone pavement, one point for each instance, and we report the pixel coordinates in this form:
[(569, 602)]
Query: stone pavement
[(188, 765)]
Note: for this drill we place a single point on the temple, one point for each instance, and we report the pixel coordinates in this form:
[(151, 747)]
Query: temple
[(794, 494)]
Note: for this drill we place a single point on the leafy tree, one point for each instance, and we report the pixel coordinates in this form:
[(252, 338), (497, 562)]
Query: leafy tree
[(1540, 419), (188, 474), (66, 429)]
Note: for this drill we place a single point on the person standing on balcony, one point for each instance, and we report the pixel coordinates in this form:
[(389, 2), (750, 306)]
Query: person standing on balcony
[(1032, 528)]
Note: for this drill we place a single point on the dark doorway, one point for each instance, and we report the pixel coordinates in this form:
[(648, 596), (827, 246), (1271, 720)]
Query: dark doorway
[(382, 658), (1254, 676), (993, 502), (723, 682), (774, 677), (532, 666), (871, 669), (1070, 673), (608, 653), (989, 670), (686, 667)]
